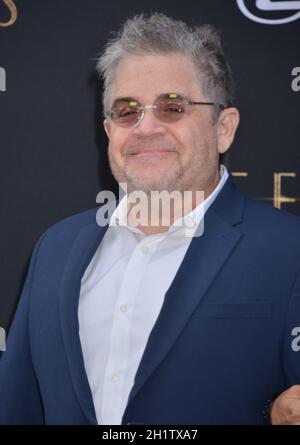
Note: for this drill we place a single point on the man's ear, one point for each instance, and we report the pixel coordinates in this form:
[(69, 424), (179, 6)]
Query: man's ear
[(106, 125), (227, 125)]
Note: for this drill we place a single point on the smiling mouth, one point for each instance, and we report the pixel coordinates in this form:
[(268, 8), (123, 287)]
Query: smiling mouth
[(154, 152)]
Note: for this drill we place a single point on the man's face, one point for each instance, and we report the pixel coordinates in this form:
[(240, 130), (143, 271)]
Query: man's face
[(184, 155)]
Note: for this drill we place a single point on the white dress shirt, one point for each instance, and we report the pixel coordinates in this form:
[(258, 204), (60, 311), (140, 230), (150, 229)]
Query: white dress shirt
[(122, 292)]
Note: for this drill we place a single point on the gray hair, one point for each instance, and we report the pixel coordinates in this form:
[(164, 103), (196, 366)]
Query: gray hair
[(163, 35)]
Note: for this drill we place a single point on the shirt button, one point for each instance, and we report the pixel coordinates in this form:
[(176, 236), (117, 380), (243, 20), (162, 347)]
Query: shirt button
[(114, 377), (123, 308), (145, 249)]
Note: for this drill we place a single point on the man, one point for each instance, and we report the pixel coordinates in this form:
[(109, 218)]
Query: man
[(139, 323)]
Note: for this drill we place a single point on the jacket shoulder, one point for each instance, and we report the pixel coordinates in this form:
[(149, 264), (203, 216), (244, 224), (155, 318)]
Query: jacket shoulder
[(266, 212), (270, 223), (77, 220), (66, 230)]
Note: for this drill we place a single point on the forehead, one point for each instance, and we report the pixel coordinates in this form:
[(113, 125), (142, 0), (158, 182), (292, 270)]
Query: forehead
[(146, 77)]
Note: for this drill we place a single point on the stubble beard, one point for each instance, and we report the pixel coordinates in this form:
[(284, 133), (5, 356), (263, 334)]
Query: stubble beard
[(136, 181)]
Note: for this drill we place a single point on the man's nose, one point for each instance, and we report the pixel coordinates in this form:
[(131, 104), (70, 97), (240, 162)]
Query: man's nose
[(148, 124)]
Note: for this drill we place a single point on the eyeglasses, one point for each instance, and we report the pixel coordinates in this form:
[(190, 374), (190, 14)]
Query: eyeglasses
[(167, 108)]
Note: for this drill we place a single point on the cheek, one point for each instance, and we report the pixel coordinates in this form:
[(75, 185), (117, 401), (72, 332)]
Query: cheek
[(188, 141), (203, 136), (115, 145)]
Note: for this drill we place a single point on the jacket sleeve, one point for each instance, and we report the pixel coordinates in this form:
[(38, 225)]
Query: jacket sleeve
[(291, 348), (20, 401)]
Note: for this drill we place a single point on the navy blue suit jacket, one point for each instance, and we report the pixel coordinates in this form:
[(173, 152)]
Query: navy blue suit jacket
[(222, 343)]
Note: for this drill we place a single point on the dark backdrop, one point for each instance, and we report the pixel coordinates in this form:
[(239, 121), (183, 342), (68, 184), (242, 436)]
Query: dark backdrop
[(52, 147)]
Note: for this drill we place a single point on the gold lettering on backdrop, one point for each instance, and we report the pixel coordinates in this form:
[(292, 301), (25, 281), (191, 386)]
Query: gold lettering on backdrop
[(13, 13), (278, 197)]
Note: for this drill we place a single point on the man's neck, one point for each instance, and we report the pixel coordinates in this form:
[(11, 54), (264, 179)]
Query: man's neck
[(167, 215)]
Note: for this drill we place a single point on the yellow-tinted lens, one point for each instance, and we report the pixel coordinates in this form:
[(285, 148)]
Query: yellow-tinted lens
[(125, 112), (170, 108)]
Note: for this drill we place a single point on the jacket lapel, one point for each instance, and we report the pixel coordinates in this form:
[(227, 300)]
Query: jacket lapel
[(202, 262), (79, 257)]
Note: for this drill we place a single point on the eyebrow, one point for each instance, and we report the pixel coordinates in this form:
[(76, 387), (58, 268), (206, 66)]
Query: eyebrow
[(126, 98)]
